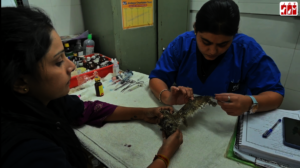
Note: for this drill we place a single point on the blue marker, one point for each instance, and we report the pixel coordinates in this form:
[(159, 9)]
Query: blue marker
[(268, 132)]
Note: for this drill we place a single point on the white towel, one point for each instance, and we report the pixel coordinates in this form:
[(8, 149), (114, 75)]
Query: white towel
[(205, 138)]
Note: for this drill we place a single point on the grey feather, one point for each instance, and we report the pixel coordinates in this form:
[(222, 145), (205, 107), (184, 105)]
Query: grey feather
[(171, 122)]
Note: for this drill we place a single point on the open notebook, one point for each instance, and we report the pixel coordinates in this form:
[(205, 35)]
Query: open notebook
[(249, 138)]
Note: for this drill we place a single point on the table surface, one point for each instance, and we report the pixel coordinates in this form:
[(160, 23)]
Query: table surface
[(205, 140)]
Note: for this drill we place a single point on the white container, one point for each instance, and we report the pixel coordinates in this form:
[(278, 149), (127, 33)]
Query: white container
[(88, 45), (115, 67)]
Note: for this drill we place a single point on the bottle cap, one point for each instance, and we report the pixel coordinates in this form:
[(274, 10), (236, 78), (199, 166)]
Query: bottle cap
[(80, 53), (97, 78), (88, 58), (67, 45), (90, 36)]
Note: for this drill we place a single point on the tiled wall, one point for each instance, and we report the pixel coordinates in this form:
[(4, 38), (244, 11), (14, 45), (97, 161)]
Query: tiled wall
[(66, 15), (280, 38)]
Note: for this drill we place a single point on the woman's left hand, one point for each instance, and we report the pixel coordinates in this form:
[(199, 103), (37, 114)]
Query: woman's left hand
[(234, 104), (153, 115)]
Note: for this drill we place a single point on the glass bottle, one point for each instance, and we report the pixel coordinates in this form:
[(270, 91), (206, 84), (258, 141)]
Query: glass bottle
[(98, 87), (84, 61), (90, 64), (80, 64), (102, 59), (78, 48), (93, 58), (68, 51)]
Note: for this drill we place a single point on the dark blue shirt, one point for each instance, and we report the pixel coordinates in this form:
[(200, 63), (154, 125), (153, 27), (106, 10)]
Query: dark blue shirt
[(245, 68)]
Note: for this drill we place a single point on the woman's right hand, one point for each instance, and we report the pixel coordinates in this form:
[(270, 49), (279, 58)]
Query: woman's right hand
[(178, 95), (171, 144)]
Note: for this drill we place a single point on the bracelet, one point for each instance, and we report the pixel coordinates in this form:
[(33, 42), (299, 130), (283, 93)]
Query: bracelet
[(160, 94), (164, 158)]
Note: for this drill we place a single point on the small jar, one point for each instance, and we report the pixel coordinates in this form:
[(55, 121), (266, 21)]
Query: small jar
[(80, 64)]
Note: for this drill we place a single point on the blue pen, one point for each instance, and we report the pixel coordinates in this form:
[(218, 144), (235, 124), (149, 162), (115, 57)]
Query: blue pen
[(268, 132)]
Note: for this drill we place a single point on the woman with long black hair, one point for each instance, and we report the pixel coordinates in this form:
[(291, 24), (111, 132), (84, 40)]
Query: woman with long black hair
[(36, 111)]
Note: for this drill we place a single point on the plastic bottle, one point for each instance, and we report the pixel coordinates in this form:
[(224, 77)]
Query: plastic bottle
[(88, 45), (115, 67)]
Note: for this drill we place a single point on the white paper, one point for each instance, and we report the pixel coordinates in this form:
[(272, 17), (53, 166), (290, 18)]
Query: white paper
[(272, 147)]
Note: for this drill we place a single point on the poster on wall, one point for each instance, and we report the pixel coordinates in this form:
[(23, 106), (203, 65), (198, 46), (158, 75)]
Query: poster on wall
[(137, 13)]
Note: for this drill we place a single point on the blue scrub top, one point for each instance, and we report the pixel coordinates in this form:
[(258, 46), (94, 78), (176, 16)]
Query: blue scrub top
[(245, 68)]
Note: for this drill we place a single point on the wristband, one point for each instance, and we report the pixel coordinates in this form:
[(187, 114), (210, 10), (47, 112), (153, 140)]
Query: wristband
[(164, 158), (160, 95)]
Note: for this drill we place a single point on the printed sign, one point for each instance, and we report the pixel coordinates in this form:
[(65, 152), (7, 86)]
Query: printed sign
[(288, 8), (137, 13)]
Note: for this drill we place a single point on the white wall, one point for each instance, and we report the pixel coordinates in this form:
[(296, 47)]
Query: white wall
[(66, 15), (8, 3), (279, 37)]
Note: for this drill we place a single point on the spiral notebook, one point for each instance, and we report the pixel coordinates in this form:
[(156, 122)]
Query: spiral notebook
[(249, 138)]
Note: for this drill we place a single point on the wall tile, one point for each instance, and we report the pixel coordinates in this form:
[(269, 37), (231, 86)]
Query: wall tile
[(65, 2), (254, 8), (282, 57), (293, 79), (40, 3), (260, 1), (291, 100), (196, 4), (271, 30), (298, 44)]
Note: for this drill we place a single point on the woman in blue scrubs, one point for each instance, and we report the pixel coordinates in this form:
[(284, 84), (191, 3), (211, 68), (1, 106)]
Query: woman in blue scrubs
[(215, 60)]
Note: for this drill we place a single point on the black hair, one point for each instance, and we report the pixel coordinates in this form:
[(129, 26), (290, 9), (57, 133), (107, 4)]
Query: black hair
[(25, 40), (218, 17)]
